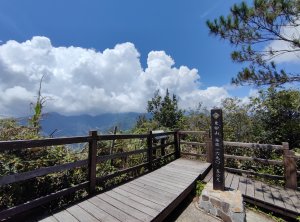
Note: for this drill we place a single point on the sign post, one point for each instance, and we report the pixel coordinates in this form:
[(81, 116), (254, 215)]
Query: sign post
[(218, 149)]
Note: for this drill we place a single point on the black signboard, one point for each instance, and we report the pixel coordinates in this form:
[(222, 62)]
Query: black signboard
[(218, 149)]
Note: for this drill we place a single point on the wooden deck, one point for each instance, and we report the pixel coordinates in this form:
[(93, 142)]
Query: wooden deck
[(148, 198), (276, 199)]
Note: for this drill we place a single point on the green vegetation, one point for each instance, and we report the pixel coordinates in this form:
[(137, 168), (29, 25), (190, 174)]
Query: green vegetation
[(250, 28), (273, 116), (35, 120), (252, 122), (165, 110), (278, 116), (199, 187)]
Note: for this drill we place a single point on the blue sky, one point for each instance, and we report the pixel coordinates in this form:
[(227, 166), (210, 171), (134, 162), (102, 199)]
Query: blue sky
[(175, 27)]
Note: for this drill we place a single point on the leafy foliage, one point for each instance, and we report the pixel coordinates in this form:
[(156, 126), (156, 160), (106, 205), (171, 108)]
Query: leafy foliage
[(197, 119), (11, 130), (277, 116), (17, 161), (272, 117), (35, 120), (199, 187), (237, 122), (165, 110), (250, 28)]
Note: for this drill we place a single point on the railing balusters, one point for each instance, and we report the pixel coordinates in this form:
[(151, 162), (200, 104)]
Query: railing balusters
[(150, 150), (92, 161), (162, 143), (177, 144)]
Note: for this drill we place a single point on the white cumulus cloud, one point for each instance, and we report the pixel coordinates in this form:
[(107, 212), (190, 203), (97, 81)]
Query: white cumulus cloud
[(79, 80), (289, 32)]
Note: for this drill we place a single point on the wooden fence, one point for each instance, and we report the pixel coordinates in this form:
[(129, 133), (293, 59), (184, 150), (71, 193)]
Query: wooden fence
[(288, 162), (92, 161), (155, 153), (206, 143)]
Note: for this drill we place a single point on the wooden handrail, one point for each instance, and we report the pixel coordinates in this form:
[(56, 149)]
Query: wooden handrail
[(191, 132), (23, 144), (253, 145), (288, 162), (246, 158), (206, 144), (40, 172), (193, 154), (192, 143), (92, 161), (121, 136)]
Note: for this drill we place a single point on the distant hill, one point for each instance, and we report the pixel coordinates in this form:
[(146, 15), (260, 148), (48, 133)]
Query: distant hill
[(81, 124)]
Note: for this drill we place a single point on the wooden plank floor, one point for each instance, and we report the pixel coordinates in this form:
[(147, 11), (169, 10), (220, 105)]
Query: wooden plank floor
[(148, 198), (277, 199)]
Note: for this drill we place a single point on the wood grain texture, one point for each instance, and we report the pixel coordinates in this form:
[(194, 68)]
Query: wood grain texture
[(136, 205), (65, 216), (156, 206), (253, 145), (250, 188), (150, 197), (80, 214), (112, 210), (98, 213), (125, 208), (273, 198), (265, 161)]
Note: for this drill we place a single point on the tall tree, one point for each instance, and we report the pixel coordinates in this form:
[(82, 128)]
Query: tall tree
[(276, 114), (251, 28), (197, 118), (165, 110), (237, 122)]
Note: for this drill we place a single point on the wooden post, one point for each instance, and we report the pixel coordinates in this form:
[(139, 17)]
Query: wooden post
[(208, 146), (154, 151), (112, 146), (150, 150), (92, 161), (162, 150), (290, 167), (113, 142), (177, 144), (218, 149)]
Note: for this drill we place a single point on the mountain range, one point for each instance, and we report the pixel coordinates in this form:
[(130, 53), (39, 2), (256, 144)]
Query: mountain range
[(57, 125)]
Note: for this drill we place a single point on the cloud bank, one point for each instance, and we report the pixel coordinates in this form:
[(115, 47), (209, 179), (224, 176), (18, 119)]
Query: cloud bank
[(85, 81)]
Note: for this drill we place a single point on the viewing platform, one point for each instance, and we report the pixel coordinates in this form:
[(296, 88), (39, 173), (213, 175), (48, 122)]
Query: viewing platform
[(151, 197), (155, 185)]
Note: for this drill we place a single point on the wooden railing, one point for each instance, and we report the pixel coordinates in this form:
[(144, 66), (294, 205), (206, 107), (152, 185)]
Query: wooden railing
[(288, 161), (92, 181), (155, 152), (205, 142)]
